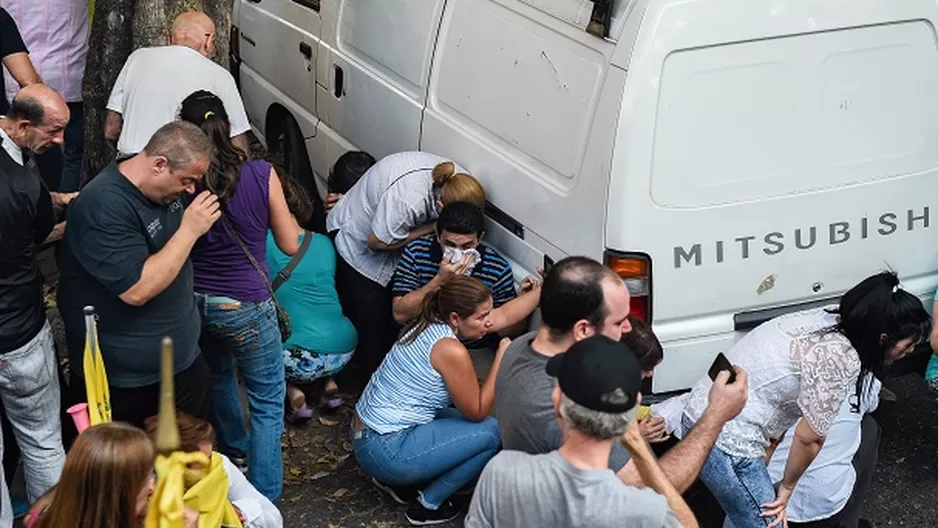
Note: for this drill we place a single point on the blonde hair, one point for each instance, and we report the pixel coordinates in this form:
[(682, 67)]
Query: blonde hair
[(453, 186)]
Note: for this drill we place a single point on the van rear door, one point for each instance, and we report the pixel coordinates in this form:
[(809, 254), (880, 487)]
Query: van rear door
[(771, 154)]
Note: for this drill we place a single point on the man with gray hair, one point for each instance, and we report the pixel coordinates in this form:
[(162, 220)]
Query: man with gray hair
[(595, 400), (127, 254)]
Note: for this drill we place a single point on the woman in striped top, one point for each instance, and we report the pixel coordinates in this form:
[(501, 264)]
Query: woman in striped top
[(404, 432)]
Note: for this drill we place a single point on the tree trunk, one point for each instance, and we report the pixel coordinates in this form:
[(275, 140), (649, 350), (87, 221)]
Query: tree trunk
[(119, 27)]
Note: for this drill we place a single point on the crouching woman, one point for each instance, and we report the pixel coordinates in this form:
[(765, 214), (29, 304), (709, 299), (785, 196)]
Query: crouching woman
[(404, 434)]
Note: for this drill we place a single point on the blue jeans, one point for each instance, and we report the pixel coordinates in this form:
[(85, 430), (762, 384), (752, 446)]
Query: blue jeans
[(741, 485), (245, 335), (448, 452)]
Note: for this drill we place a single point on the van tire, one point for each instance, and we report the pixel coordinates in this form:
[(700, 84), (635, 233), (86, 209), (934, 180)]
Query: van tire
[(296, 162)]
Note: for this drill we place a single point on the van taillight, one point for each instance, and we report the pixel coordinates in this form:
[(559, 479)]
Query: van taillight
[(234, 46), (635, 270)]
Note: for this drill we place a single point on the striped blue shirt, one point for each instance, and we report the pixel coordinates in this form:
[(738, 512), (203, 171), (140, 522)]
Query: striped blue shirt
[(420, 262), (406, 390)]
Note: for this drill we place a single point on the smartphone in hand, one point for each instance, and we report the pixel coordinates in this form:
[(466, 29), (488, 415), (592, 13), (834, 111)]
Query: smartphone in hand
[(720, 364)]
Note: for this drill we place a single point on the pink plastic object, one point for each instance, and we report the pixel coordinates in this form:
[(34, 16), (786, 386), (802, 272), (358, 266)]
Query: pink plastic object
[(79, 414)]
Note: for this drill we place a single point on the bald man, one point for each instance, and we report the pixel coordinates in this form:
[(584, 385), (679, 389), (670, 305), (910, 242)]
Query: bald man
[(29, 385), (154, 81)]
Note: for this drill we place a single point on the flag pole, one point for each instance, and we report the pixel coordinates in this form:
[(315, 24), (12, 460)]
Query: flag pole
[(167, 432)]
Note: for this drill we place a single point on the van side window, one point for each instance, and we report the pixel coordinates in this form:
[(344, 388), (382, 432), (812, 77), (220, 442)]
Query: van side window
[(312, 4)]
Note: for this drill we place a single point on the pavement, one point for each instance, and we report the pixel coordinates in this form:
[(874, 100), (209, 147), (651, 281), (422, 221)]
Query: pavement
[(326, 488)]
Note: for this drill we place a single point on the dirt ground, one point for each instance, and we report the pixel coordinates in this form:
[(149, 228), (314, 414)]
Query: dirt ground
[(324, 486)]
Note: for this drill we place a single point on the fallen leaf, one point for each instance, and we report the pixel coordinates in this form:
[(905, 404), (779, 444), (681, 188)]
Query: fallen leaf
[(320, 475), (295, 471), (339, 493), (327, 422), (347, 447)]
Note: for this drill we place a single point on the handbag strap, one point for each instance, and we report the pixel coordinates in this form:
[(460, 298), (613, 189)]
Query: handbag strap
[(284, 274), (247, 252)]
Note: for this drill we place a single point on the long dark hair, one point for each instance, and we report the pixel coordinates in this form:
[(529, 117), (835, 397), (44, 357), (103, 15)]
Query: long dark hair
[(461, 295), (205, 110), (875, 315)]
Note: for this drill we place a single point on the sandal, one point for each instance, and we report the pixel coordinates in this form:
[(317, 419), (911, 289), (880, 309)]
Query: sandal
[(330, 401), (299, 416), (330, 404)]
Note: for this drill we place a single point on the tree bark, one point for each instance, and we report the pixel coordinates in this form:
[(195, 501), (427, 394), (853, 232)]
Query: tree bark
[(119, 27)]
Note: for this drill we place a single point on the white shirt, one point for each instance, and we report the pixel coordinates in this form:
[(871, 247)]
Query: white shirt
[(826, 486), (258, 511), (797, 369), (391, 199), (56, 34), (154, 81), (12, 148)]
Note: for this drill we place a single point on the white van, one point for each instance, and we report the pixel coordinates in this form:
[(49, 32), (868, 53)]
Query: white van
[(732, 159)]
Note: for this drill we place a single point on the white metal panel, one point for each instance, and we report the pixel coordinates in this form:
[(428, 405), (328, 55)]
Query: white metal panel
[(832, 187), (528, 104), (795, 114), (383, 50), (270, 37)]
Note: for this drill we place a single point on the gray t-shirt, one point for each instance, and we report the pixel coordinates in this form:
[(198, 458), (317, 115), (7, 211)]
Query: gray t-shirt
[(524, 408), (518, 489)]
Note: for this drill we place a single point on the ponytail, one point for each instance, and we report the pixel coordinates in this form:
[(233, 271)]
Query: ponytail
[(429, 314), (443, 173), (461, 295), (874, 316), (205, 110), (450, 186)]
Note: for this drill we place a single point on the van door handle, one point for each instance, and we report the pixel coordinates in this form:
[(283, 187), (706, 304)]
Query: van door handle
[(338, 88), (306, 50)]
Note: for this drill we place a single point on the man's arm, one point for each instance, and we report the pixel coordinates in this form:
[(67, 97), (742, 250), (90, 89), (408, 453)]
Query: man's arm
[(376, 244), (112, 127), (58, 231), (406, 307), (516, 311), (161, 268), (14, 52), (22, 69), (654, 477), (683, 462)]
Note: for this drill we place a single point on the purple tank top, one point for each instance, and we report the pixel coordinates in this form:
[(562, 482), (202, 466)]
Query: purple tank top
[(219, 265)]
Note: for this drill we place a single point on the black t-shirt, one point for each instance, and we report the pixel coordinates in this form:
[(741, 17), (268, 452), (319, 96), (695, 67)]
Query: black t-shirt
[(112, 230), (26, 219), (10, 42)]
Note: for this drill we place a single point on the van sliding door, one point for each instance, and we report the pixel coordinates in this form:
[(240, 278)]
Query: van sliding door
[(373, 76)]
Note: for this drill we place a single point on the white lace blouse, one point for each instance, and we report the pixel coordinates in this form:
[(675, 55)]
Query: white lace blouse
[(796, 369)]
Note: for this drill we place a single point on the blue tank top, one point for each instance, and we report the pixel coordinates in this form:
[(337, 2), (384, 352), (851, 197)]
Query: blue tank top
[(219, 265), (406, 390)]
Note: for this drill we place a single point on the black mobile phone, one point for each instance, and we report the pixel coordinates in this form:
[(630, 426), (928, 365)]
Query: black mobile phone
[(719, 364)]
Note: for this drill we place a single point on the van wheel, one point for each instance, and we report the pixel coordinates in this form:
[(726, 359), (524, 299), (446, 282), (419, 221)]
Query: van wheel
[(296, 161)]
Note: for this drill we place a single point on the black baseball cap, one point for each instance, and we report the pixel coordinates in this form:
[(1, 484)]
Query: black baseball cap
[(598, 373)]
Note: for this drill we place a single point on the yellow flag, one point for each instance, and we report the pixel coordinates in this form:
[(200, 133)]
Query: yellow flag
[(208, 496), (96, 387)]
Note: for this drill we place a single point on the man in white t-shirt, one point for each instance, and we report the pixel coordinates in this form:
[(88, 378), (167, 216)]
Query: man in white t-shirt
[(154, 81)]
